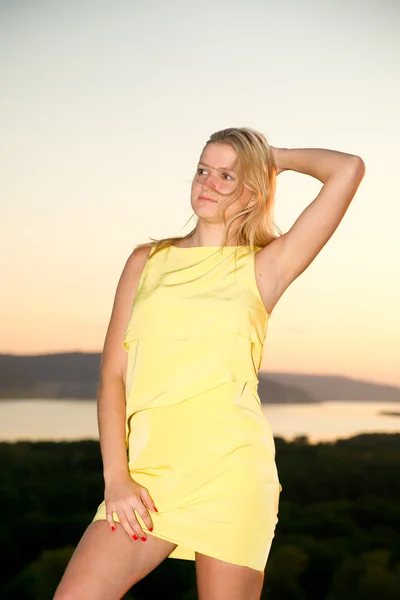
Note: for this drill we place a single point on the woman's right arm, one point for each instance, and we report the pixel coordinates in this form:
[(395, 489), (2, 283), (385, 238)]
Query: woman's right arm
[(120, 489)]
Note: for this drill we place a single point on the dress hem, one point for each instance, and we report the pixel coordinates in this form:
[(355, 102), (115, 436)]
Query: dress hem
[(205, 552)]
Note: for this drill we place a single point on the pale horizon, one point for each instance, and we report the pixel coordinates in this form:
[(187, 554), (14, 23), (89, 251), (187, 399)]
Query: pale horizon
[(105, 108)]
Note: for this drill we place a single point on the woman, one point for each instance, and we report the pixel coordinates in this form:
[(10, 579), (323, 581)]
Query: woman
[(189, 458)]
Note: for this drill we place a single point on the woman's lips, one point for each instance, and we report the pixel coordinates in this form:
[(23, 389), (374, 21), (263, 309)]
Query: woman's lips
[(206, 199)]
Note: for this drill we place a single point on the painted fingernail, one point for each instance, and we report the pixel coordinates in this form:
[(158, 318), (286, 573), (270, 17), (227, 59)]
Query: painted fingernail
[(150, 528), (112, 528), (143, 539), (135, 537), (155, 509)]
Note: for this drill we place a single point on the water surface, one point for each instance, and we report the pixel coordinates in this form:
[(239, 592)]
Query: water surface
[(76, 419)]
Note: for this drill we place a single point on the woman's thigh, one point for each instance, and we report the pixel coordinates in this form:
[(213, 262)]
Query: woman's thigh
[(107, 563), (220, 580)]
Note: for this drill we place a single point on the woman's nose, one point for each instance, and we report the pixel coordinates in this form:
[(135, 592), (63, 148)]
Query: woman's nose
[(211, 180)]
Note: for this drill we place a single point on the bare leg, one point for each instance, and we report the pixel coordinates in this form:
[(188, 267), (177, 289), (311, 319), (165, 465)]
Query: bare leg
[(106, 564), (220, 580)]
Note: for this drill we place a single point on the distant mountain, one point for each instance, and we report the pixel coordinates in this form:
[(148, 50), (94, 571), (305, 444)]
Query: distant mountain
[(69, 375), (337, 387), (75, 375)]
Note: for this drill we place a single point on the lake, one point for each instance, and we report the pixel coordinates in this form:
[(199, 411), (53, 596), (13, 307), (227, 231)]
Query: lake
[(76, 419)]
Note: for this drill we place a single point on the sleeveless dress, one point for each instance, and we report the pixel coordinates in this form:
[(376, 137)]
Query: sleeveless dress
[(196, 434)]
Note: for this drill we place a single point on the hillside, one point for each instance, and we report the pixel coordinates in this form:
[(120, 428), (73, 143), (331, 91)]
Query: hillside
[(75, 375)]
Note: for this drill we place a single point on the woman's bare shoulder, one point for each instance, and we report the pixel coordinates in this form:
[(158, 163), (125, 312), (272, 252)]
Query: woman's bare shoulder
[(114, 356), (138, 257)]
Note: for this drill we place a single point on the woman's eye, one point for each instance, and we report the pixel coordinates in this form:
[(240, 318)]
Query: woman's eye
[(200, 171)]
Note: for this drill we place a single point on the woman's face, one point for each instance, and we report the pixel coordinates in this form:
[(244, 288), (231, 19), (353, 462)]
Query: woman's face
[(215, 174)]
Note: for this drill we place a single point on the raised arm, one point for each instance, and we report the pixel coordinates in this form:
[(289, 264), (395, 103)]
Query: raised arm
[(290, 254)]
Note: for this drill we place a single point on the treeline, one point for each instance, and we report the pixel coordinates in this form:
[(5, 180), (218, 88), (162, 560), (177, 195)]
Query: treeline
[(338, 535)]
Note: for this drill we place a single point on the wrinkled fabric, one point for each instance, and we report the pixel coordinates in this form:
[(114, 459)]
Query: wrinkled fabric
[(196, 434)]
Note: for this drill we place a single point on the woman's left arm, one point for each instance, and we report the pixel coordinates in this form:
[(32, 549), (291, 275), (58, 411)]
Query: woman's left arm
[(341, 174)]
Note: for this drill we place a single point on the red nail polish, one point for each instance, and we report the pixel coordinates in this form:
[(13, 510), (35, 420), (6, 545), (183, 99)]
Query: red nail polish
[(143, 539), (135, 537), (112, 528), (155, 509), (150, 529)]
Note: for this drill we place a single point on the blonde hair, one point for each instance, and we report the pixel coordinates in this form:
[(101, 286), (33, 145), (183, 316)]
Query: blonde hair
[(257, 171)]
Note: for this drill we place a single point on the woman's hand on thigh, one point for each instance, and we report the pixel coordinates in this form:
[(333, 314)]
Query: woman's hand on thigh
[(122, 497)]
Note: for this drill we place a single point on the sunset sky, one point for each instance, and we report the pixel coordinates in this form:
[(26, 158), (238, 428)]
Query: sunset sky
[(104, 109)]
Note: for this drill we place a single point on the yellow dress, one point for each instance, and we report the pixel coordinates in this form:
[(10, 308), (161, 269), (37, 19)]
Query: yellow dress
[(196, 434)]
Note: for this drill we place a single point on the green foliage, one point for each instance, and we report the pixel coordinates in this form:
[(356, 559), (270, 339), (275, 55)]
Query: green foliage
[(40, 578), (368, 576), (338, 535)]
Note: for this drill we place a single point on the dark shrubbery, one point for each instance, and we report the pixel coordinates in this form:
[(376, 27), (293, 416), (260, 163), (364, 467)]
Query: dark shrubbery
[(338, 535)]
